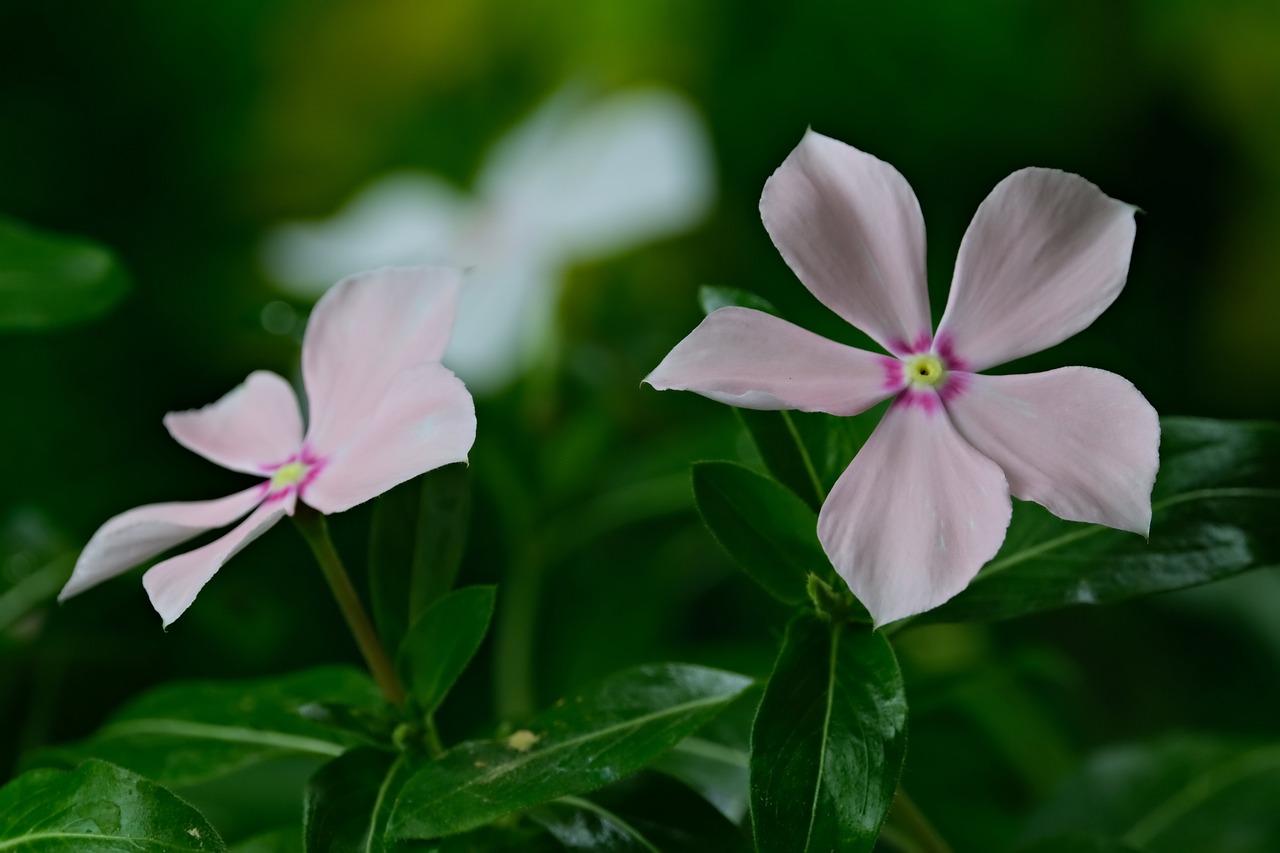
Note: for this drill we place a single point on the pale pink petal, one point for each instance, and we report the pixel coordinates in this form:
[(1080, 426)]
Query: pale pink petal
[(915, 515), (138, 535), (255, 426), (425, 420), (1083, 443), (172, 585), (363, 332), (757, 361), (1045, 254), (851, 229)]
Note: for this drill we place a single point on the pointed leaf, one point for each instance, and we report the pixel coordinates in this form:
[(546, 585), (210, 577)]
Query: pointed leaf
[(98, 807), (48, 280), (350, 798), (416, 542), (828, 741), (442, 642), (190, 732), (768, 531), (1214, 509), (1179, 795), (645, 814), (585, 741)]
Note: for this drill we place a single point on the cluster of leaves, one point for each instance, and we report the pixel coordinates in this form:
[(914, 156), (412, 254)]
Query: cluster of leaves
[(385, 778), (618, 764)]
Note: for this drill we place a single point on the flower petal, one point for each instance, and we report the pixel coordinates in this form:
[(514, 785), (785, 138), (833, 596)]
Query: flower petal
[(173, 584), (1045, 254), (850, 228), (915, 515), (399, 219), (757, 361), (425, 420), (583, 178), (253, 427), (1083, 443), (365, 331), (506, 316), (138, 535)]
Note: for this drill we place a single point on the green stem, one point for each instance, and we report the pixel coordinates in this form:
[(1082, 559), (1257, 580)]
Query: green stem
[(431, 737), (809, 468), (514, 691), (910, 823), (312, 526)]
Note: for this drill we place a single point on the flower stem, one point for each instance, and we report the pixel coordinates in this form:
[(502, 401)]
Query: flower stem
[(909, 822), (312, 526), (803, 450)]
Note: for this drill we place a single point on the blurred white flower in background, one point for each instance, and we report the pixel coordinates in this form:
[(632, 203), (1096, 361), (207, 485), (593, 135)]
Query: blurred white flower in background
[(578, 180)]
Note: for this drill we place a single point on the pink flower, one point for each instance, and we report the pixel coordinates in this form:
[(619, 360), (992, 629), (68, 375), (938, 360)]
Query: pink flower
[(926, 502), (382, 410)]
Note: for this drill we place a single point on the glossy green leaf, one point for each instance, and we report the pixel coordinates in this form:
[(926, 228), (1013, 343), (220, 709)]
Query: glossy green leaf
[(416, 542), (828, 741), (442, 642), (349, 800), (98, 807), (768, 531), (49, 280), (713, 297), (585, 741), (1180, 795), (1215, 506), (718, 773), (648, 813), (188, 732)]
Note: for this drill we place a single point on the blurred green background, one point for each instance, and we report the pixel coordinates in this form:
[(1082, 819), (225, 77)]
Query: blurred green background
[(178, 134)]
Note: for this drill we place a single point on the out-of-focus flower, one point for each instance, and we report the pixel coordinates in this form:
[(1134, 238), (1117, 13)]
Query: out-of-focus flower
[(382, 410), (926, 502), (576, 181)]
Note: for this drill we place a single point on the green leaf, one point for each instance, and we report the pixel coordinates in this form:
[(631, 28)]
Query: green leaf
[(33, 590), (1180, 795), (718, 773), (49, 280), (584, 742), (98, 807), (808, 451), (647, 814), (442, 642), (828, 741), (189, 732), (1214, 509), (416, 541), (350, 798), (766, 529), (712, 297), (784, 453)]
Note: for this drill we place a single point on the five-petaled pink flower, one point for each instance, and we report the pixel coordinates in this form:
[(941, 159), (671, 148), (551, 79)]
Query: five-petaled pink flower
[(382, 410), (926, 502)]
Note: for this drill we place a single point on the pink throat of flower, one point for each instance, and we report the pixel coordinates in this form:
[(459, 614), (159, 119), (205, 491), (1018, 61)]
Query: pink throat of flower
[(293, 475), (926, 373)]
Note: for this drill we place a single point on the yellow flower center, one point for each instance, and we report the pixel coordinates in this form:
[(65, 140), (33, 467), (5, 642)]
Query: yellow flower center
[(288, 474), (925, 370)]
